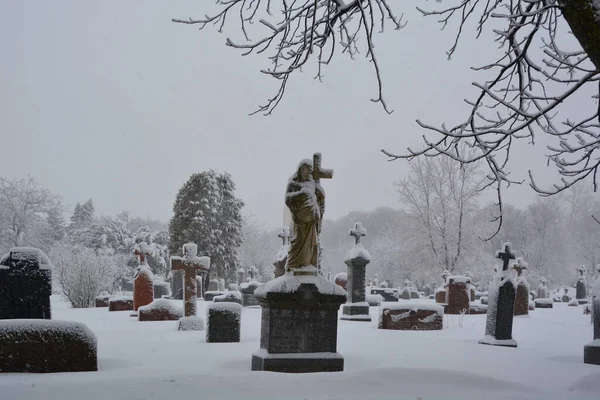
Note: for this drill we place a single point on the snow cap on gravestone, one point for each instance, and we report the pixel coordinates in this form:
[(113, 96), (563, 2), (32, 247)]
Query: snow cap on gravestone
[(190, 250)]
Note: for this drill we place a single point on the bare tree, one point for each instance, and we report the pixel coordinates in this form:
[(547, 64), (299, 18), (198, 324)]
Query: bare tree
[(24, 205), (441, 195), (300, 31), (528, 89)]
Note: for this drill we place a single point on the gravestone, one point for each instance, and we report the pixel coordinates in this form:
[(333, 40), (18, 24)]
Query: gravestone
[(221, 285), (102, 300), (471, 286), (161, 288), (406, 291), (143, 278), (581, 295), (357, 309), (120, 303), (177, 285), (387, 294), (522, 297), (229, 297), (543, 292), (411, 316), (211, 294), (501, 303), (458, 294), (223, 322), (375, 281), (282, 254), (247, 289), (241, 273), (190, 264), (213, 286), (441, 293), (199, 287), (591, 351), (159, 310), (25, 284)]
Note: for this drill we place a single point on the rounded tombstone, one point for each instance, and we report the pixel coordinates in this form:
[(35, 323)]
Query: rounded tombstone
[(341, 279)]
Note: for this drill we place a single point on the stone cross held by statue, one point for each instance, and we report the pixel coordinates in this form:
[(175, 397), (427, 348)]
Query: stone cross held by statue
[(190, 263), (519, 266), (142, 250), (357, 232), (252, 271), (505, 256), (318, 172), (285, 236)]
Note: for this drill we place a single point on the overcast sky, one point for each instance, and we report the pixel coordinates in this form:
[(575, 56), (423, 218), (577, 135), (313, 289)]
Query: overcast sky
[(110, 100)]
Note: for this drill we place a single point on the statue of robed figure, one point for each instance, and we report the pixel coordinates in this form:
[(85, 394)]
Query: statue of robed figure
[(305, 199)]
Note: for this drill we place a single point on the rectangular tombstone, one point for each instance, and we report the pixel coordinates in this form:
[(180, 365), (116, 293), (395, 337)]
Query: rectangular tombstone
[(223, 322), (25, 284), (411, 316)]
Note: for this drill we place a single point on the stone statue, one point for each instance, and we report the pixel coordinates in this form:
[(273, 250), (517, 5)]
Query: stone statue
[(305, 198)]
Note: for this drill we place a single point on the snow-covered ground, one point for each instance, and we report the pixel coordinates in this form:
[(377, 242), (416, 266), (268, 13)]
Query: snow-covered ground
[(151, 360)]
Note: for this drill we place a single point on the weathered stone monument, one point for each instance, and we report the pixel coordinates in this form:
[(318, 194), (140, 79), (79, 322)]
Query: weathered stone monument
[(300, 308), (543, 292), (190, 264), (522, 297), (143, 278), (458, 293), (223, 322), (501, 303), (581, 287), (357, 309), (341, 279), (176, 285), (411, 316), (282, 254), (241, 274), (25, 284)]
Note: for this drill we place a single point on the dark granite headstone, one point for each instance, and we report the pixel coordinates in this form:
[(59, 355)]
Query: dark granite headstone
[(25, 284), (211, 294), (591, 351), (501, 303), (357, 259), (302, 322), (522, 296), (161, 289), (581, 287), (229, 297), (387, 294), (223, 321)]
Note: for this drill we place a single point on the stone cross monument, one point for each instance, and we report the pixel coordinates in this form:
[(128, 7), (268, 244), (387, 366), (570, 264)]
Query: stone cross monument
[(522, 297), (356, 259), (190, 264), (581, 287), (501, 303), (143, 279), (282, 254)]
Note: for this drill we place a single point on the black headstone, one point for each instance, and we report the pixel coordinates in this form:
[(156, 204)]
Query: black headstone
[(591, 352), (501, 304), (25, 284), (223, 321), (356, 291), (301, 321)]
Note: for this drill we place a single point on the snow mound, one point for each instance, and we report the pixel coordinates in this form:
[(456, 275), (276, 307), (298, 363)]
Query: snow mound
[(289, 283), (22, 330), (191, 323), (162, 305)]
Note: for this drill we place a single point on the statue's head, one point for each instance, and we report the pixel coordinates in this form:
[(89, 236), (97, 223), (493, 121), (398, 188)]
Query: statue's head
[(305, 168)]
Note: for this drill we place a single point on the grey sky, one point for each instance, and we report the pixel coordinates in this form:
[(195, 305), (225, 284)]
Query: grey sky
[(110, 100)]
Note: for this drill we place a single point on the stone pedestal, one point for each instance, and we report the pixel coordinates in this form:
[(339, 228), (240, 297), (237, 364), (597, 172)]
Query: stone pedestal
[(459, 293), (299, 325), (501, 304), (357, 308), (223, 322), (591, 351), (440, 296)]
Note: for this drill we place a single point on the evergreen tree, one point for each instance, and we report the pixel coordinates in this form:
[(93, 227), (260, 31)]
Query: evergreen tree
[(56, 224), (207, 213), (83, 215)]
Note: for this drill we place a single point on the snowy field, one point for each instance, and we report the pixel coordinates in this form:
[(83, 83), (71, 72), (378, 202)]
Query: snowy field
[(150, 360)]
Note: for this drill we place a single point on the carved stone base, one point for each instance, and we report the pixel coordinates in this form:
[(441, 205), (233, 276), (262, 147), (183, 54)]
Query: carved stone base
[(353, 312), (297, 362)]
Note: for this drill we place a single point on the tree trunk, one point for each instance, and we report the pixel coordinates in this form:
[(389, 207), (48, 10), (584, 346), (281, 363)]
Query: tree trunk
[(583, 16)]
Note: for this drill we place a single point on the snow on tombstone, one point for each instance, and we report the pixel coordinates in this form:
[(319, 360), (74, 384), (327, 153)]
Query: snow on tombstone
[(25, 284), (223, 322), (501, 303), (190, 264), (591, 351), (522, 296), (581, 287), (357, 258), (143, 278)]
